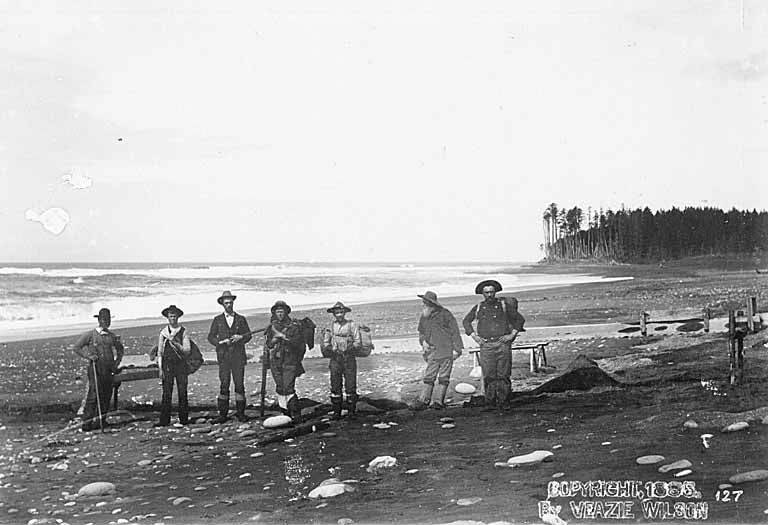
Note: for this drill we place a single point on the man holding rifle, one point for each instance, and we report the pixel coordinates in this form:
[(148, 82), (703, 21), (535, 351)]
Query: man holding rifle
[(229, 333), (285, 344)]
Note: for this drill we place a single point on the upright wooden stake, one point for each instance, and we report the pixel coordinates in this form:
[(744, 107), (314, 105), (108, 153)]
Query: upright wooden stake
[(732, 346), (707, 317), (643, 320), (751, 307)]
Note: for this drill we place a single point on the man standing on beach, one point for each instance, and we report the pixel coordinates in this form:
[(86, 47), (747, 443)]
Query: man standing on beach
[(498, 323), (173, 349), (440, 339), (285, 343), (229, 333), (104, 351), (339, 344)]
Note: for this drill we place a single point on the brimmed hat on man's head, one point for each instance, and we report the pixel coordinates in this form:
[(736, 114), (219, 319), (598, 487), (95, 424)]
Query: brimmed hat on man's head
[(431, 297), (173, 308), (226, 295), (103, 311), (488, 282), (280, 304), (338, 306)]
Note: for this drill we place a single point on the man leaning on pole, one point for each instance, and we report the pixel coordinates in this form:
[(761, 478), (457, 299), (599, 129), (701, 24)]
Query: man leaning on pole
[(498, 323)]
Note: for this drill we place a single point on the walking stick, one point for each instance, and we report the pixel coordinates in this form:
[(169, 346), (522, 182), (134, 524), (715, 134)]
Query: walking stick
[(98, 397), (264, 357)]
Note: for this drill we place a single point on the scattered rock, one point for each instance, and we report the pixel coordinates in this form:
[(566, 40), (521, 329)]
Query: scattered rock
[(528, 459), (98, 488), (468, 501), (412, 471), (677, 465), (448, 425), (683, 473), (649, 460), (465, 388), (380, 462), (144, 462), (690, 424), (735, 427), (247, 433), (345, 521), (179, 501), (276, 421), (380, 425), (752, 475), (328, 434), (446, 420)]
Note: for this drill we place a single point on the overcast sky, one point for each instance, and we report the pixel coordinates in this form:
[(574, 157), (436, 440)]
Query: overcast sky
[(367, 131)]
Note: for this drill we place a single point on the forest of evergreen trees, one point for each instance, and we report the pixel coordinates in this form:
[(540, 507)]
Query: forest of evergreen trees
[(646, 236)]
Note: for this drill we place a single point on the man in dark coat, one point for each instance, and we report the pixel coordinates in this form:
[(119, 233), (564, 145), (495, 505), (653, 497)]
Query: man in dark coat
[(498, 323), (442, 345), (285, 342), (229, 333), (104, 351)]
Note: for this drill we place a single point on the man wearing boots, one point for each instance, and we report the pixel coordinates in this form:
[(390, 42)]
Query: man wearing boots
[(442, 345), (339, 345), (173, 348), (229, 333), (498, 323), (285, 343), (104, 351)]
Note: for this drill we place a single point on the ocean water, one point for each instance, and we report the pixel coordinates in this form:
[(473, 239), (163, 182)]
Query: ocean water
[(40, 296)]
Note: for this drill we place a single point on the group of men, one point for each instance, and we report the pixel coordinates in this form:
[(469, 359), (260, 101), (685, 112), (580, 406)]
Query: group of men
[(498, 323)]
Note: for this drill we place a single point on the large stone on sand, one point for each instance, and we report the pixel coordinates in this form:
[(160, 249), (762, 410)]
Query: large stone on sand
[(536, 456), (276, 421), (330, 488), (98, 488), (752, 475), (582, 374)]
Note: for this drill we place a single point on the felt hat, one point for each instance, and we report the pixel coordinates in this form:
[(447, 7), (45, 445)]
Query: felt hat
[(172, 308), (103, 311), (280, 304), (226, 295), (338, 306), (430, 297), (488, 282)]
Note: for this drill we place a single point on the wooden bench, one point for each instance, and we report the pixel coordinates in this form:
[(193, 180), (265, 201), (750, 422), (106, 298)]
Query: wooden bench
[(538, 357)]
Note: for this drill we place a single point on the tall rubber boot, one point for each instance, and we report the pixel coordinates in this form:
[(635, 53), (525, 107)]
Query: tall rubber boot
[(352, 404), (336, 404), (424, 398), (294, 410), (240, 411), (223, 410), (439, 403)]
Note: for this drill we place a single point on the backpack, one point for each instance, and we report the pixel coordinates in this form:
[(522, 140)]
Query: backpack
[(195, 358), (307, 327), (366, 336), (504, 306)]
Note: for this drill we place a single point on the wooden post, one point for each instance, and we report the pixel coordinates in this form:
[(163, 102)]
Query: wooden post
[(542, 355), (643, 320), (482, 378), (707, 316), (533, 366), (740, 358), (751, 307)]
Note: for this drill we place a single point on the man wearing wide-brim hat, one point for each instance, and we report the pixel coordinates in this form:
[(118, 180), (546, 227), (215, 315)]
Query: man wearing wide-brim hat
[(173, 348), (498, 323), (340, 343), (229, 333), (441, 344), (104, 351), (284, 341)]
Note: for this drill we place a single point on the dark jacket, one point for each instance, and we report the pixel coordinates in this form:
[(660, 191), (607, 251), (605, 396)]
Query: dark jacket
[(441, 331), (491, 320), (106, 346), (220, 331)]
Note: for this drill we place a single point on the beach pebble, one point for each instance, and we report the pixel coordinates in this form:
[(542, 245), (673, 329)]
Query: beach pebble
[(179, 501), (330, 488), (448, 425), (723, 486), (345, 521), (98, 488), (528, 459), (276, 421), (677, 465), (201, 430), (328, 434), (735, 427), (690, 424), (198, 489), (247, 433), (683, 473), (465, 388), (468, 501), (257, 454), (380, 462), (144, 462), (745, 477), (446, 420), (558, 474), (380, 425), (412, 471), (555, 447), (649, 460)]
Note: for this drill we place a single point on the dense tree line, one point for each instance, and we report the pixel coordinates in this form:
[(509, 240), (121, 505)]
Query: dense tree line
[(646, 236)]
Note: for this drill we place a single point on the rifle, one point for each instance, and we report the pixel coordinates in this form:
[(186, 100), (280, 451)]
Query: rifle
[(228, 341)]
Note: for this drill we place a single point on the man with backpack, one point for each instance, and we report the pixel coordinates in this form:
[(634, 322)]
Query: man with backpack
[(173, 350), (229, 333), (340, 345), (440, 339), (285, 342), (498, 323)]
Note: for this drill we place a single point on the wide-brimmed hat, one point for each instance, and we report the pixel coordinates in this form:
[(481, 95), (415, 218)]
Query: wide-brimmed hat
[(280, 304), (430, 297), (338, 306), (103, 311), (488, 282), (172, 308), (226, 294)]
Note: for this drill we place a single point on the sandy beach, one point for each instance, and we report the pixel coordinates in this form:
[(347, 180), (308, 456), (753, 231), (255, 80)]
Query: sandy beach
[(231, 475)]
